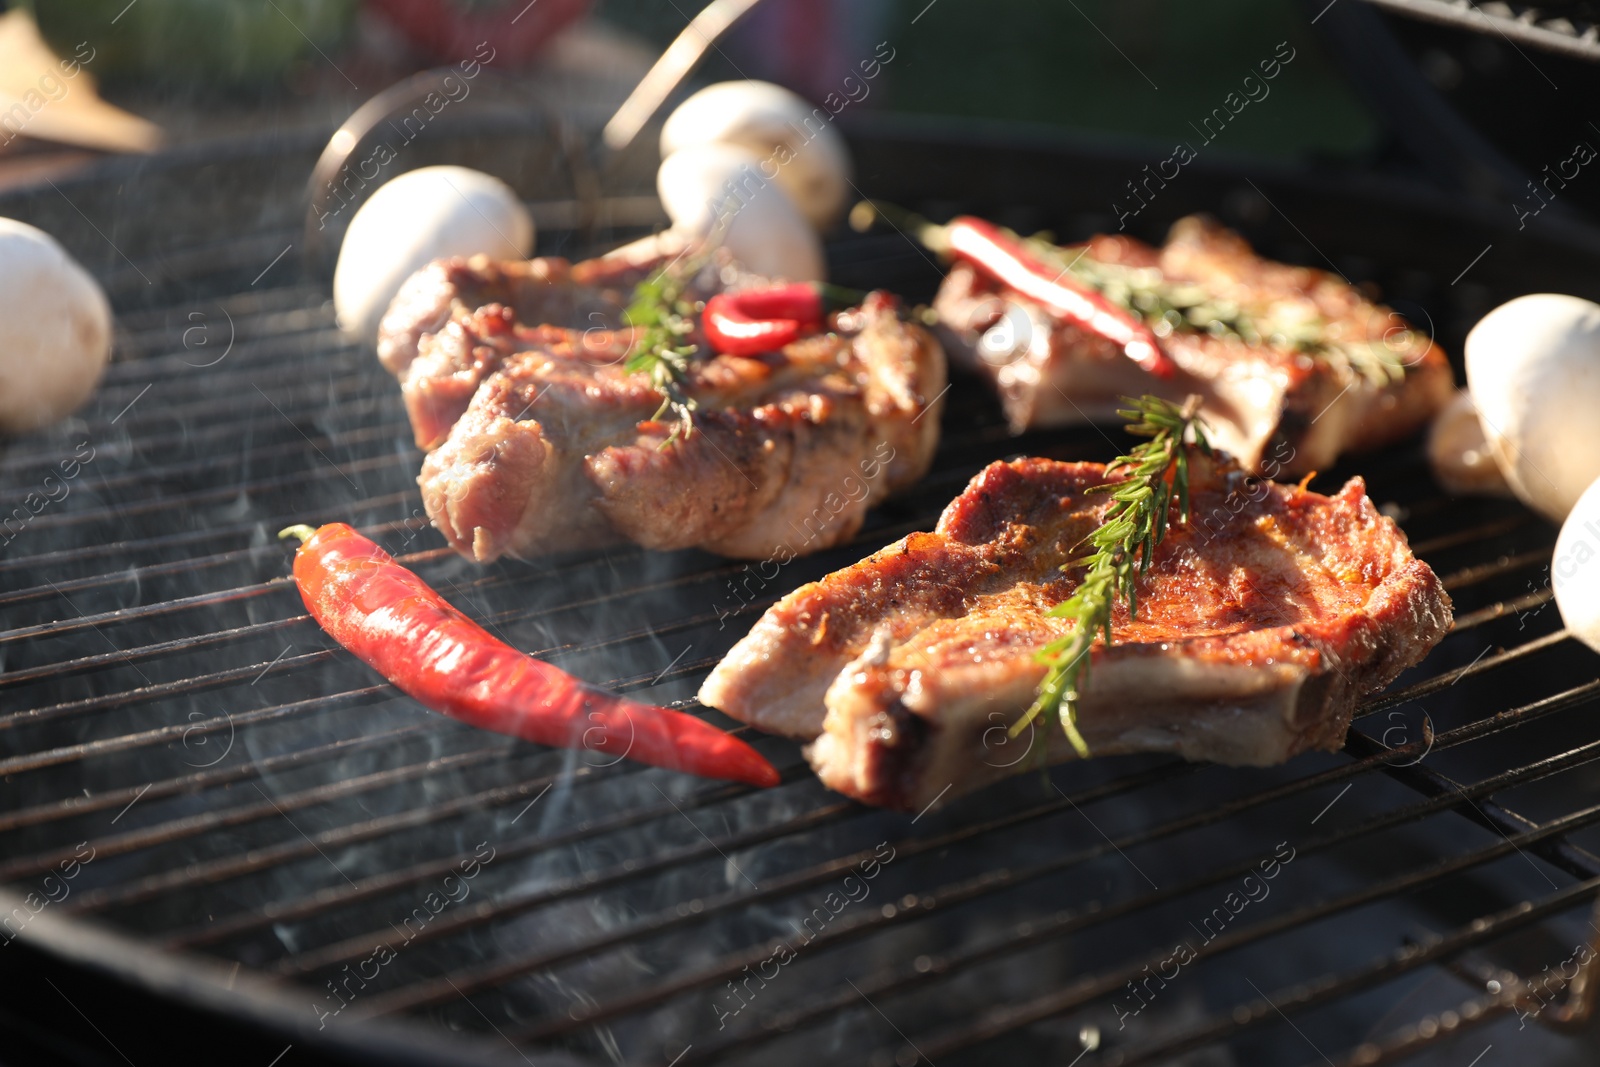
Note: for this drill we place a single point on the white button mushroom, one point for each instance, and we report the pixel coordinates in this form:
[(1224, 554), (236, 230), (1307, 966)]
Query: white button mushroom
[(1459, 452), (1533, 367), (715, 187), (420, 216), (55, 330), (797, 143), (1575, 569)]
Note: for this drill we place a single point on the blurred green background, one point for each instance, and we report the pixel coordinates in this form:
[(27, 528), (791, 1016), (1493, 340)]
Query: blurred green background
[(221, 43), (1139, 68), (1050, 61)]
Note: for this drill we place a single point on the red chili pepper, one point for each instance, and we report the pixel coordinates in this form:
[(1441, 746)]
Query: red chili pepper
[(1009, 262), (1006, 260), (408, 633), (752, 321)]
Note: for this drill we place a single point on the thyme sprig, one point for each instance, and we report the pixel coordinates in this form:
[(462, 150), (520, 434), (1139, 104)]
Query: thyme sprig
[(1156, 473), (1168, 305), (663, 320)]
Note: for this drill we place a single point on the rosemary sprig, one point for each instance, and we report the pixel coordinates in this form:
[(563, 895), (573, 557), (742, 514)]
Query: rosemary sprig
[(1168, 305), (663, 320), (1157, 472)]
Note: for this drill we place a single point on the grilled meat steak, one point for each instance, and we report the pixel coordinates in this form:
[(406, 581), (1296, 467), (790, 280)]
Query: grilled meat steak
[(542, 441), (1260, 625), (1318, 369), (434, 340)]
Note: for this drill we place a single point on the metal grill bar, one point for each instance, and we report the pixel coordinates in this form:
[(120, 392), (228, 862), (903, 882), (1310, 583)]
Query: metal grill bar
[(493, 581), (1474, 1012), (296, 397), (1030, 934), (1446, 679), (72, 807), (182, 687), (194, 825), (354, 948), (948, 896), (68, 668), (1473, 619), (215, 871), (418, 557), (1472, 535), (368, 888), (1401, 962), (1000, 1021), (1492, 815), (470, 979), (1265, 1010), (1482, 572), (158, 570), (160, 735), (262, 425), (123, 511), (217, 533), (136, 478), (137, 325), (315, 345), (263, 415), (314, 337)]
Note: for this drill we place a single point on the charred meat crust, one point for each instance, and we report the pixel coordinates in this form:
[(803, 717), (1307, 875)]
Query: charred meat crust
[(1278, 411), (1261, 625)]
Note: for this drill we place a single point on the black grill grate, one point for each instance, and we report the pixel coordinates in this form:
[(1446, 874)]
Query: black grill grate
[(251, 793)]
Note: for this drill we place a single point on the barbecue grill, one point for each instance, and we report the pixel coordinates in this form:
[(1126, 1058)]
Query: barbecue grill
[(225, 838)]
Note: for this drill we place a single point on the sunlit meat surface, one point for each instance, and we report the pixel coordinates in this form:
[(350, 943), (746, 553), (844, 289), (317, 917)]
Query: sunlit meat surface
[(540, 440), (1260, 625)]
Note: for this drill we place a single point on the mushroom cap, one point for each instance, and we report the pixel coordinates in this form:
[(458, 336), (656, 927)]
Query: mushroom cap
[(55, 330), (1575, 569), (414, 219), (720, 187), (796, 142), (1459, 453), (1533, 367)]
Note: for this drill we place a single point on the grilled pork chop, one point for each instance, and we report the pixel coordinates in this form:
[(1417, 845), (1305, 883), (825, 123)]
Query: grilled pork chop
[(434, 340), (1315, 370), (542, 441), (1261, 623)]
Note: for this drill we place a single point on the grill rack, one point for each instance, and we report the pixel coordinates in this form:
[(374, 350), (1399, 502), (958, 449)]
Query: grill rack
[(101, 595)]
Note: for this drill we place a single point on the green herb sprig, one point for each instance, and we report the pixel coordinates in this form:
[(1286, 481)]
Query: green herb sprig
[(663, 321), (1167, 305), (1157, 472)]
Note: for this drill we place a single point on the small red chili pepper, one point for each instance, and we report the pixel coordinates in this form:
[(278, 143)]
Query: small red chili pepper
[(1007, 261), (408, 633), (752, 321)]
